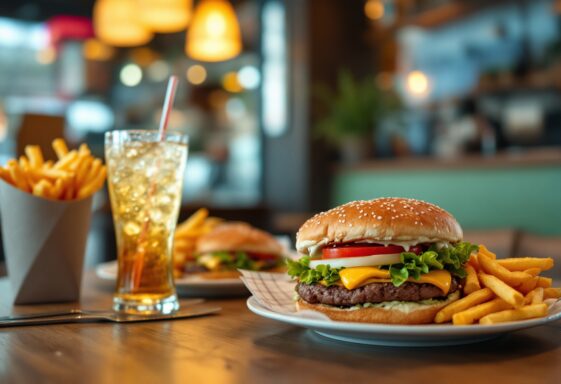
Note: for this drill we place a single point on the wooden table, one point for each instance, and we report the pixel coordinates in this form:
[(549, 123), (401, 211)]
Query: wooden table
[(237, 346)]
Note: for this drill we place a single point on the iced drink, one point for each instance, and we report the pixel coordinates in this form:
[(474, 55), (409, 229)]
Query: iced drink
[(145, 178)]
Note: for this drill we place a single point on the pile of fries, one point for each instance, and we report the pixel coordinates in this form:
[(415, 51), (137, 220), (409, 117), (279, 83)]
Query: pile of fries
[(75, 175), (186, 236), (501, 290)]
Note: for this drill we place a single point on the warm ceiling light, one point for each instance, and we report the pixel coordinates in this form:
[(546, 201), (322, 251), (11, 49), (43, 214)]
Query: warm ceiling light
[(231, 83), (417, 84), (214, 34), (97, 51), (374, 9), (196, 74), (116, 23), (165, 16)]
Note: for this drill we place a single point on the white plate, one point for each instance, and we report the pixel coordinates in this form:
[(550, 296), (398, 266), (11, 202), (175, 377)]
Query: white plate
[(187, 286), (402, 335)]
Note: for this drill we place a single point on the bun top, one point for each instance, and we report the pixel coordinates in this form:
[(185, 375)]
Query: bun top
[(388, 220), (232, 237)]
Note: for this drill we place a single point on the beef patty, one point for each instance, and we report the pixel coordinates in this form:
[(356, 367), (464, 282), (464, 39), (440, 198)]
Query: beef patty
[(370, 293)]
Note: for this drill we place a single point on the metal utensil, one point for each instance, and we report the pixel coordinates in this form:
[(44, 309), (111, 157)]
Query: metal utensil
[(77, 311), (81, 317)]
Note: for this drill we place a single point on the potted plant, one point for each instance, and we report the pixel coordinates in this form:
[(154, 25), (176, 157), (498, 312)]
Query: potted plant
[(354, 113)]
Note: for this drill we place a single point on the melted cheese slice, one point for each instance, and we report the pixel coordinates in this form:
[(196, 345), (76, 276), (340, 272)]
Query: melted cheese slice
[(357, 276)]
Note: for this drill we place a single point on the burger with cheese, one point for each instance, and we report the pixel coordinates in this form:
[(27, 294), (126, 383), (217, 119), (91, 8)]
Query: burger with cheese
[(388, 260), (232, 246)]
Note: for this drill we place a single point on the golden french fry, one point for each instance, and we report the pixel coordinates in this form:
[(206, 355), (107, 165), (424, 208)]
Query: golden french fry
[(48, 164), (473, 299), (53, 174), (544, 282), (82, 171), (93, 171), (42, 189), (24, 163), (195, 220), (60, 148), (5, 175), (471, 315), (484, 251), (474, 262), (182, 245), (65, 161), (35, 156), (57, 189), (529, 285), (551, 293), (94, 185), (491, 267), (19, 177), (527, 312), (69, 193), (538, 296), (472, 282), (502, 290), (533, 271), (83, 150), (523, 263)]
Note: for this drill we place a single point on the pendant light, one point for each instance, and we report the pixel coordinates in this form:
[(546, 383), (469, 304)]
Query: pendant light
[(214, 34), (116, 23), (165, 16)]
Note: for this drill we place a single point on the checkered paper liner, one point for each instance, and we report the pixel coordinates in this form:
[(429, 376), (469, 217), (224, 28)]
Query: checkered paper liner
[(275, 291)]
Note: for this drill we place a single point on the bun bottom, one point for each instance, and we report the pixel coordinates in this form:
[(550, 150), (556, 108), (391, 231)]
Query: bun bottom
[(407, 313)]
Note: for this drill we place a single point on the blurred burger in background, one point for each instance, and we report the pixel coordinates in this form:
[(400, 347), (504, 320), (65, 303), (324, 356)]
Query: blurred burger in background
[(388, 260), (232, 246)]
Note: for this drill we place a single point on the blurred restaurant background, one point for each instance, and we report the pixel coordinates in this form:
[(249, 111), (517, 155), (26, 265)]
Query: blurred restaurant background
[(295, 106)]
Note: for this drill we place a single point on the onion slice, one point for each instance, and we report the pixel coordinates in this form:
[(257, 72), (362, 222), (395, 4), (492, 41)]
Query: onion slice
[(361, 261)]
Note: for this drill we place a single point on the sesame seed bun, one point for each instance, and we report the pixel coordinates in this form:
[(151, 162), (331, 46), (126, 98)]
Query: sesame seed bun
[(404, 313), (233, 237), (383, 220)]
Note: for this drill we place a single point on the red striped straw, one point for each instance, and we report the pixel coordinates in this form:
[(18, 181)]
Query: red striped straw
[(168, 105)]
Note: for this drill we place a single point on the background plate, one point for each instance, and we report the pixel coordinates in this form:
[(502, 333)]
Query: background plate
[(187, 286), (402, 335)]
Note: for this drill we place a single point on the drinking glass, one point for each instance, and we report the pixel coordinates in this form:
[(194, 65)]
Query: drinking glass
[(145, 178)]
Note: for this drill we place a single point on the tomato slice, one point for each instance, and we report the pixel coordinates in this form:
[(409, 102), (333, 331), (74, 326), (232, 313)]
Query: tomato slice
[(358, 250), (261, 256)]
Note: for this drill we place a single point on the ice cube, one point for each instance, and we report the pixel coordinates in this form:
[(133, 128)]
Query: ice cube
[(132, 228)]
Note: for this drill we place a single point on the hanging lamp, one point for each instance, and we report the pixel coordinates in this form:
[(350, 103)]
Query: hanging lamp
[(214, 34), (116, 23), (165, 16)]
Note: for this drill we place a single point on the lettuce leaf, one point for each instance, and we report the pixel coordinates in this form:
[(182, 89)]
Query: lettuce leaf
[(450, 258), (324, 274)]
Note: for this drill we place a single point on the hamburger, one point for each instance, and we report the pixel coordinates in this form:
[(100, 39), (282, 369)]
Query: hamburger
[(232, 246), (387, 260)]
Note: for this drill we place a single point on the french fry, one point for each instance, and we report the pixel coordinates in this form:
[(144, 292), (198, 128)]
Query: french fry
[(42, 189), (18, 176), (48, 164), (533, 271), (502, 290), (94, 170), (5, 175), (491, 267), (523, 263), (529, 285), (544, 282), (484, 251), (551, 293), (195, 220), (527, 312), (93, 185), (471, 315), (60, 148), (35, 156), (537, 298), (82, 171), (473, 299), (472, 282), (24, 163), (83, 150), (473, 261)]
